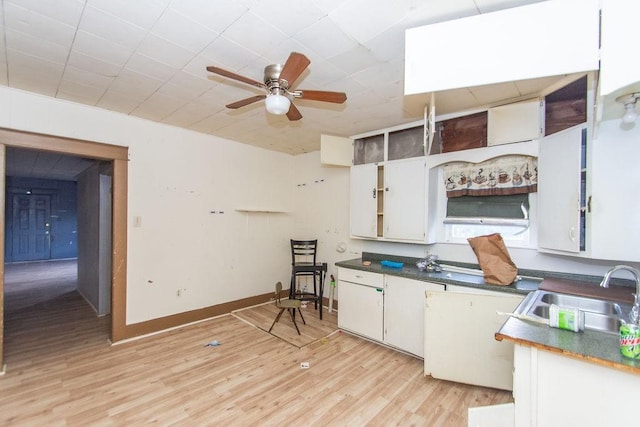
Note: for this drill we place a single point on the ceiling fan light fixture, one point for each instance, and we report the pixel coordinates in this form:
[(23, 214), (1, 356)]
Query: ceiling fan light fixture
[(277, 104)]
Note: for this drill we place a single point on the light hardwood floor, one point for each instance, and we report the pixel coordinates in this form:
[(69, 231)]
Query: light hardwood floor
[(61, 370)]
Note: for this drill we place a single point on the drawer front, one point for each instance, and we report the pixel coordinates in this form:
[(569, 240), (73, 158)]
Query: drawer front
[(363, 277)]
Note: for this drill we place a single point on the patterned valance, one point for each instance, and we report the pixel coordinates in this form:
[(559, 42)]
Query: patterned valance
[(500, 176)]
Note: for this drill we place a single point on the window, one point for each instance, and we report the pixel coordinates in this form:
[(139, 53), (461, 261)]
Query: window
[(470, 216)]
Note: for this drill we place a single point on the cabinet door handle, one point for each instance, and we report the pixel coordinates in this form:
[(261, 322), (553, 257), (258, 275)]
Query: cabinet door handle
[(589, 204), (374, 193), (572, 234)]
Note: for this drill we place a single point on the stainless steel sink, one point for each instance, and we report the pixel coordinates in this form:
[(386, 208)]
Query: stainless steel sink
[(599, 315), (584, 304)]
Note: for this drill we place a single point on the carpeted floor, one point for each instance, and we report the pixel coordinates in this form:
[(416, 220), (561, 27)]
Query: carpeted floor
[(261, 316)]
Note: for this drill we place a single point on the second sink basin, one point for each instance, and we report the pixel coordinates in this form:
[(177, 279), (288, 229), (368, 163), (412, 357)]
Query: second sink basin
[(582, 303), (599, 315)]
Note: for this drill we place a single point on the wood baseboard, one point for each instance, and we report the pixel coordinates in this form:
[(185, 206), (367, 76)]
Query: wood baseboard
[(179, 319), (167, 322)]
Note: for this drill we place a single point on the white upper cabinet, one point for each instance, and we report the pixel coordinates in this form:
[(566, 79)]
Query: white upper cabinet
[(515, 122), (364, 195), (520, 43), (336, 150), (388, 185), (559, 191), (619, 64), (404, 199)]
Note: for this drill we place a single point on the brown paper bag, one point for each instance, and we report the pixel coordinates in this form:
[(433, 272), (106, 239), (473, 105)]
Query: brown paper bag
[(493, 258)]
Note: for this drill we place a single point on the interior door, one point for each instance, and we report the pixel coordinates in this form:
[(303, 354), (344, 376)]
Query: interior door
[(31, 227)]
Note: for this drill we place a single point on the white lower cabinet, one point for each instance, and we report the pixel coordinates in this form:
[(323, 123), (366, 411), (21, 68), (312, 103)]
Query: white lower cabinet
[(404, 313), (384, 308), (460, 345), (361, 299), (553, 390)]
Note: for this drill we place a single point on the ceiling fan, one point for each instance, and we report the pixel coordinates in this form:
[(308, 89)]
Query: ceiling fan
[(278, 80)]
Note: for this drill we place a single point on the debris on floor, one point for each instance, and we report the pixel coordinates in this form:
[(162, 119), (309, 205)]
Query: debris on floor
[(304, 365), (213, 343)]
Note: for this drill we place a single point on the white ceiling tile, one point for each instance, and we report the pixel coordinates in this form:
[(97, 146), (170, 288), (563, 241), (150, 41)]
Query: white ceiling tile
[(319, 74), (66, 11), (527, 87), (41, 48), (326, 39), (187, 116), (102, 49), (118, 101), (190, 85), (166, 52), (74, 91), (88, 79), (485, 6), (150, 67), (383, 73), (455, 100), (33, 74), (425, 13), (37, 25), (156, 107), (328, 6), (183, 31), (305, 11), (212, 123), (135, 85), (93, 65), (255, 34), (389, 45), (112, 28), (493, 93), (218, 16), (143, 13), (354, 60), (4, 77), (230, 55), (363, 20)]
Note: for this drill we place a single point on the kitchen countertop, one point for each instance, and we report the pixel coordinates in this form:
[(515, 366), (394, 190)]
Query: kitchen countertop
[(410, 271), (595, 346)]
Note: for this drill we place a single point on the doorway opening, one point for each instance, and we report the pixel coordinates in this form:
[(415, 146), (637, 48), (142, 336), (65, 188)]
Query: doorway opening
[(103, 157)]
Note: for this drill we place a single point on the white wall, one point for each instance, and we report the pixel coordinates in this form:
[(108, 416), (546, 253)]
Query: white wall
[(321, 210), (176, 177)]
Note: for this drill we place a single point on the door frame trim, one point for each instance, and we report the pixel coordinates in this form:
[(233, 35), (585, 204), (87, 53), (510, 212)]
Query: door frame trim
[(119, 155)]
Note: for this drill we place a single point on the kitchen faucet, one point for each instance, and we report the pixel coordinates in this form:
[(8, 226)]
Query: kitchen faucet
[(634, 316)]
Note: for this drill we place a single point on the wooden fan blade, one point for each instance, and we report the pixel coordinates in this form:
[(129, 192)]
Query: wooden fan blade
[(295, 65), (235, 76), (293, 114), (321, 95), (244, 102)]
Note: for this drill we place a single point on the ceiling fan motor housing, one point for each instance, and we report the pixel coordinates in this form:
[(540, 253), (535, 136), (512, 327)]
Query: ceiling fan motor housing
[(272, 79)]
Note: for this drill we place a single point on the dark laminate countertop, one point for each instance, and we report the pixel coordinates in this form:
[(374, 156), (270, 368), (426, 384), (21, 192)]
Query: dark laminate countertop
[(410, 271), (598, 347), (594, 346)]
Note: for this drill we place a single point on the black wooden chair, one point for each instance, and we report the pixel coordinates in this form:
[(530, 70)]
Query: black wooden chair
[(304, 265)]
